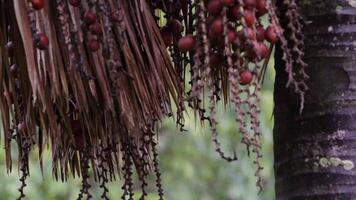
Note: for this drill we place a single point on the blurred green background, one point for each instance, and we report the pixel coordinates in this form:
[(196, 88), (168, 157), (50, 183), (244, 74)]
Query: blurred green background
[(191, 168)]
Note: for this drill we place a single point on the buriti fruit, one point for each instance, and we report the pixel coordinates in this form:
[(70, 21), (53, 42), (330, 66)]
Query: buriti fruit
[(186, 43), (37, 4)]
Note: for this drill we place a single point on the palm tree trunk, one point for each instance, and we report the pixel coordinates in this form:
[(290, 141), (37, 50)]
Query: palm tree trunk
[(315, 152)]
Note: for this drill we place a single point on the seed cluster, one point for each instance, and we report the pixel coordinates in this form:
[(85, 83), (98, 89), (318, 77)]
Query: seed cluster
[(94, 78)]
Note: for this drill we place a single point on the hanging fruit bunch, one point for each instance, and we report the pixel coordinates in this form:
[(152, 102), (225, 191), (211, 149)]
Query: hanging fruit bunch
[(94, 78), (226, 47)]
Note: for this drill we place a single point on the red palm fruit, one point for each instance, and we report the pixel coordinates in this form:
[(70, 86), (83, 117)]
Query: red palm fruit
[(228, 3), (175, 26), (214, 7), (186, 43), (250, 3), (90, 17), (96, 29), (234, 13), (37, 4), (167, 36), (250, 33), (263, 50), (232, 36), (94, 45), (74, 3), (42, 41), (246, 77), (261, 7), (250, 18), (271, 34), (216, 27), (260, 33), (252, 51)]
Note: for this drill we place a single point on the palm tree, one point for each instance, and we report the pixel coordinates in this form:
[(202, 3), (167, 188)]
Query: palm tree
[(94, 78), (314, 150)]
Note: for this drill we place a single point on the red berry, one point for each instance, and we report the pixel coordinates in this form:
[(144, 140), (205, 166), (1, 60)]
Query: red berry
[(252, 51), (37, 4), (260, 33), (74, 3), (261, 7), (250, 3), (257, 50), (228, 3), (245, 77), (186, 43), (95, 29), (216, 27), (234, 13), (271, 34), (250, 18), (94, 45), (42, 41), (232, 36), (214, 7), (90, 17), (263, 50), (250, 33), (167, 36), (175, 26)]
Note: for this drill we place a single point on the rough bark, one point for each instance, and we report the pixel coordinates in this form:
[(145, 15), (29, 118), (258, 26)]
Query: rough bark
[(315, 151)]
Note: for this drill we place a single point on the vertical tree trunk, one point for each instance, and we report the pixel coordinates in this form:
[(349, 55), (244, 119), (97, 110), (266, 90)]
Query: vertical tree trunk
[(315, 152)]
